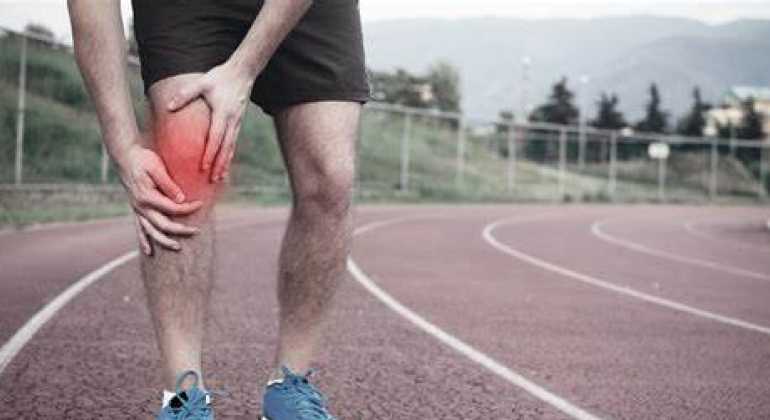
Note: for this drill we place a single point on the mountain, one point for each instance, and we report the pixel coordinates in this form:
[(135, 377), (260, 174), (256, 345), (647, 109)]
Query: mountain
[(622, 55)]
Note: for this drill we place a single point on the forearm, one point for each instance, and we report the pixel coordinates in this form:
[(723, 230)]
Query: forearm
[(273, 23), (100, 51)]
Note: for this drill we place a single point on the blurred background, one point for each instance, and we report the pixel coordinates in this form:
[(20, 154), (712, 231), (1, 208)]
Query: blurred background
[(555, 101)]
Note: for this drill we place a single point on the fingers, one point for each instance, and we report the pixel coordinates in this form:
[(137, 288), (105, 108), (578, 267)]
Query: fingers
[(226, 152), (214, 142), (158, 236), (144, 243), (163, 204), (166, 225), (185, 95), (166, 185)]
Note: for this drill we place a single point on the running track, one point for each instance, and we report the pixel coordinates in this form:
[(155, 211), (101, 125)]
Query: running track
[(466, 312)]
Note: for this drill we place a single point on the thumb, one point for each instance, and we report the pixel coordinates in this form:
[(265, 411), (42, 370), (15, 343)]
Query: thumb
[(185, 95)]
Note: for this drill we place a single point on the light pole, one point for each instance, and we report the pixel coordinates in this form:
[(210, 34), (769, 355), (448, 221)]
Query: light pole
[(526, 65), (582, 111), (711, 132), (22, 104)]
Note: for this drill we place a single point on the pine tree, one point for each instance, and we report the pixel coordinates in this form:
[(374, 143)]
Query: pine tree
[(655, 120), (609, 116), (559, 109), (751, 126), (695, 121)]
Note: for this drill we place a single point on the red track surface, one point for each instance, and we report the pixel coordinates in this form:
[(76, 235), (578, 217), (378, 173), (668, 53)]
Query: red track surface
[(610, 354)]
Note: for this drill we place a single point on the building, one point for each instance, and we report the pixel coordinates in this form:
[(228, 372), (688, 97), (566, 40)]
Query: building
[(731, 111)]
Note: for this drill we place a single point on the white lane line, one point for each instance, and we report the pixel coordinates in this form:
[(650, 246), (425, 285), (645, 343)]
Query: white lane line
[(26, 332), (691, 227), (22, 336), (595, 281), (596, 230), (455, 343)]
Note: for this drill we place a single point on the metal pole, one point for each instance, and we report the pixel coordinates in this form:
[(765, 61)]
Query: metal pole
[(562, 162), (460, 164), (582, 122), (405, 140), (511, 156), (106, 165), (613, 164), (20, 113), (661, 180), (763, 169), (714, 168)]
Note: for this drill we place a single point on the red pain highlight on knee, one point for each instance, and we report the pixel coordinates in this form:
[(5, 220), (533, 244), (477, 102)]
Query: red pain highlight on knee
[(180, 139)]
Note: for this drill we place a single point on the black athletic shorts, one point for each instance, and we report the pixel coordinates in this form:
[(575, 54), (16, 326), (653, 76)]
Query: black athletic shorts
[(322, 58)]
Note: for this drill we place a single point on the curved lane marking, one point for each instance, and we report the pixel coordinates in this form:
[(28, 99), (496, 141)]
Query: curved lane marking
[(455, 343), (604, 284), (596, 230), (21, 337), (25, 333), (691, 228)]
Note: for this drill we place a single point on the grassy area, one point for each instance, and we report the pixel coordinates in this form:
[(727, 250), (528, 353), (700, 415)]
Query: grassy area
[(18, 214), (62, 145)]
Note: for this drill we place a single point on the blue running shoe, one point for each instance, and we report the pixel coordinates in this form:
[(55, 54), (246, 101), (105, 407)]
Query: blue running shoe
[(294, 398), (191, 404)]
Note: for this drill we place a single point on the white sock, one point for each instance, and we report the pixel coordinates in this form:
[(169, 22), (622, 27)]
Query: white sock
[(167, 396)]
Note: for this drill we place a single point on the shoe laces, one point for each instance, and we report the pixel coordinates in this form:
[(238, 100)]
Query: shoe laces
[(303, 395), (196, 405)]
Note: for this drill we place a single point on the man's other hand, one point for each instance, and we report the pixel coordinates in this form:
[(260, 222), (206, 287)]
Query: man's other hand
[(154, 197)]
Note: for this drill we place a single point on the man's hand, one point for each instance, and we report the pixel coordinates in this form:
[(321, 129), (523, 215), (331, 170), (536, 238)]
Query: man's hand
[(154, 196), (226, 89)]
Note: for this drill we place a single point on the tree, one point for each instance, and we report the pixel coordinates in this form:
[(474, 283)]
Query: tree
[(694, 122), (399, 88), (655, 119), (559, 108), (751, 128), (444, 82), (752, 125), (39, 31), (609, 116)]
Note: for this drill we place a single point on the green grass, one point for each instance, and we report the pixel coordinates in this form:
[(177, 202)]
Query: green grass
[(62, 145)]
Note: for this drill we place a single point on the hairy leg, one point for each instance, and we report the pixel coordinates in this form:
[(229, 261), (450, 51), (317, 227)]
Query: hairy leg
[(318, 145), (178, 284)]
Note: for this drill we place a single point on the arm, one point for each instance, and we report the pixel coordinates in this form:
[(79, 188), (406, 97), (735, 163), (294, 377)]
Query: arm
[(226, 88), (100, 51)]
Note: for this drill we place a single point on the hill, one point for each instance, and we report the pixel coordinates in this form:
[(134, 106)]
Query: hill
[(622, 54)]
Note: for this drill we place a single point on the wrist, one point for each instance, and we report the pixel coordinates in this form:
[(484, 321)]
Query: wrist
[(120, 154), (245, 68)]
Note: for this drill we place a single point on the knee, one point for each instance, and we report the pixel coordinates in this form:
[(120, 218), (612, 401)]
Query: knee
[(326, 191), (180, 139)]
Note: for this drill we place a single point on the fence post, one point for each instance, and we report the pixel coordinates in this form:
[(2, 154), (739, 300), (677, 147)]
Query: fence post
[(105, 169), (662, 180), (405, 146), (714, 168), (18, 168), (763, 169), (512, 129), (460, 164), (562, 161), (613, 162)]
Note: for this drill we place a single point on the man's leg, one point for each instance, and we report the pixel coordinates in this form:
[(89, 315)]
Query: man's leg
[(178, 283), (318, 144)]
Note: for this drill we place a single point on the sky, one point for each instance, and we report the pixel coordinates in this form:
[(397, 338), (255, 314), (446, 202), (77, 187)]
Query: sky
[(14, 14)]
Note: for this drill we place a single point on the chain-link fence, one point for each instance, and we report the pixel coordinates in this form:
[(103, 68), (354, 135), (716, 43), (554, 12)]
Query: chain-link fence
[(49, 135)]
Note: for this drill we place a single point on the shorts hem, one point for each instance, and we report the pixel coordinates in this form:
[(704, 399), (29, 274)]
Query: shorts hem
[(272, 107)]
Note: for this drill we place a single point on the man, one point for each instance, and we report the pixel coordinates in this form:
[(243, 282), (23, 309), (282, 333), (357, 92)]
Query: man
[(302, 63)]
